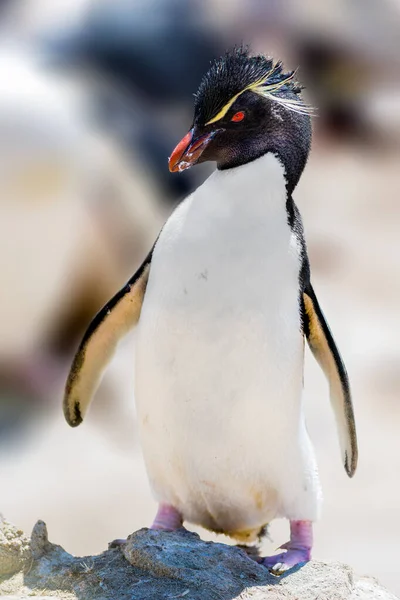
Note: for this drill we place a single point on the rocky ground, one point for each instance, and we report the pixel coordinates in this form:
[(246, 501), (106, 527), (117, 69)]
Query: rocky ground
[(164, 565)]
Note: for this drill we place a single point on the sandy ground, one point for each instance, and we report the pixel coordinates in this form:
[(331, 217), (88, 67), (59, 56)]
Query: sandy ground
[(90, 485)]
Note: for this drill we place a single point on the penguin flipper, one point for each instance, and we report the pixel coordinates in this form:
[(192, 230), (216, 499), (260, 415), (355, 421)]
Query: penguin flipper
[(325, 351), (95, 351)]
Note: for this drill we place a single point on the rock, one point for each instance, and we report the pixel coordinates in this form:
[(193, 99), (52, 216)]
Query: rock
[(39, 540), (15, 549), (19, 597), (172, 565)]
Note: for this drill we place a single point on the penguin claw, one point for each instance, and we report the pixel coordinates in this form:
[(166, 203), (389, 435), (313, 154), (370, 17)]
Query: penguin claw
[(278, 569)]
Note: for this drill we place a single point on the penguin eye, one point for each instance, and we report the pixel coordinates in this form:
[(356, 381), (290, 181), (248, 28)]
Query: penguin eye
[(239, 116)]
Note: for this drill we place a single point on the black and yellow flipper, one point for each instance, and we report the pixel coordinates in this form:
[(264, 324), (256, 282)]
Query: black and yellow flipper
[(323, 347), (110, 324)]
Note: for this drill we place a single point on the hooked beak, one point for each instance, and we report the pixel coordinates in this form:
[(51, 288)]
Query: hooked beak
[(189, 150)]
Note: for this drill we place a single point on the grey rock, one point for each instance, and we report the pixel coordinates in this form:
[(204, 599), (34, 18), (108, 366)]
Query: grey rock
[(40, 544), (154, 565)]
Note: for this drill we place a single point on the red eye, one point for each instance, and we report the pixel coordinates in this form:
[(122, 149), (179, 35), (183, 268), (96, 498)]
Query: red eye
[(238, 117)]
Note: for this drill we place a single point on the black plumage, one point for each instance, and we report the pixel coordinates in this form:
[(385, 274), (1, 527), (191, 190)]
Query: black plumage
[(232, 73), (275, 119)]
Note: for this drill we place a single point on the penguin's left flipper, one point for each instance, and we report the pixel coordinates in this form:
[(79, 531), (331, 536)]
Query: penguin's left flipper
[(110, 324), (323, 347)]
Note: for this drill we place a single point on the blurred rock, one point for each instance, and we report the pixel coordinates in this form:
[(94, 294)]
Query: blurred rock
[(167, 565)]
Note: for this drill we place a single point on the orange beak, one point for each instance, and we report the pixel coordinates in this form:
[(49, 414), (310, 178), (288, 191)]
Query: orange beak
[(188, 151)]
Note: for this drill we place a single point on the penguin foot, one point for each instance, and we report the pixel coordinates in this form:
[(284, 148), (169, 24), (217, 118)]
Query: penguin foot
[(298, 549), (280, 563), (167, 518)]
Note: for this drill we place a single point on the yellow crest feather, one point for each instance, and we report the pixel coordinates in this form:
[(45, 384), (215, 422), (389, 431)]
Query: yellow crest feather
[(261, 88)]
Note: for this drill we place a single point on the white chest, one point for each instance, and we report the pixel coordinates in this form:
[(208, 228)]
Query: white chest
[(227, 256), (219, 340)]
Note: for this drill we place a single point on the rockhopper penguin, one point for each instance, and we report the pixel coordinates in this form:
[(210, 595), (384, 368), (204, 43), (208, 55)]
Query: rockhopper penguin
[(222, 304)]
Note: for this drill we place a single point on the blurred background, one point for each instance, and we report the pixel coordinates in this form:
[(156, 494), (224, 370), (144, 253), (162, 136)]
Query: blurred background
[(94, 94)]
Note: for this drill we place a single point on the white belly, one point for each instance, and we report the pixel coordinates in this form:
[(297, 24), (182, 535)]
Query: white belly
[(220, 362)]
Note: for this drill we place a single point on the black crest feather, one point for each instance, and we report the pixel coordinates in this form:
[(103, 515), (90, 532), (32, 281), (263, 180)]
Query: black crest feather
[(231, 74)]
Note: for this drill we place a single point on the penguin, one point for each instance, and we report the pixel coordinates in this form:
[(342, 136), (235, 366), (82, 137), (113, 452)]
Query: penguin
[(222, 305)]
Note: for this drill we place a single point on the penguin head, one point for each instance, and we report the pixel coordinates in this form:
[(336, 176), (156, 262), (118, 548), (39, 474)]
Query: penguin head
[(245, 107)]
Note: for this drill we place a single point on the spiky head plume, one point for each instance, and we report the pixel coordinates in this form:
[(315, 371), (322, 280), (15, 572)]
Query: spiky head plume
[(238, 72)]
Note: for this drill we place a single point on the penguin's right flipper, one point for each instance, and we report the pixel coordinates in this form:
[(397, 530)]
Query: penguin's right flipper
[(323, 347), (110, 324)]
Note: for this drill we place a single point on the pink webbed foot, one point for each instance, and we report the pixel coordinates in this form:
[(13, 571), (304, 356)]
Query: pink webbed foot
[(298, 549), (167, 518), (280, 563)]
